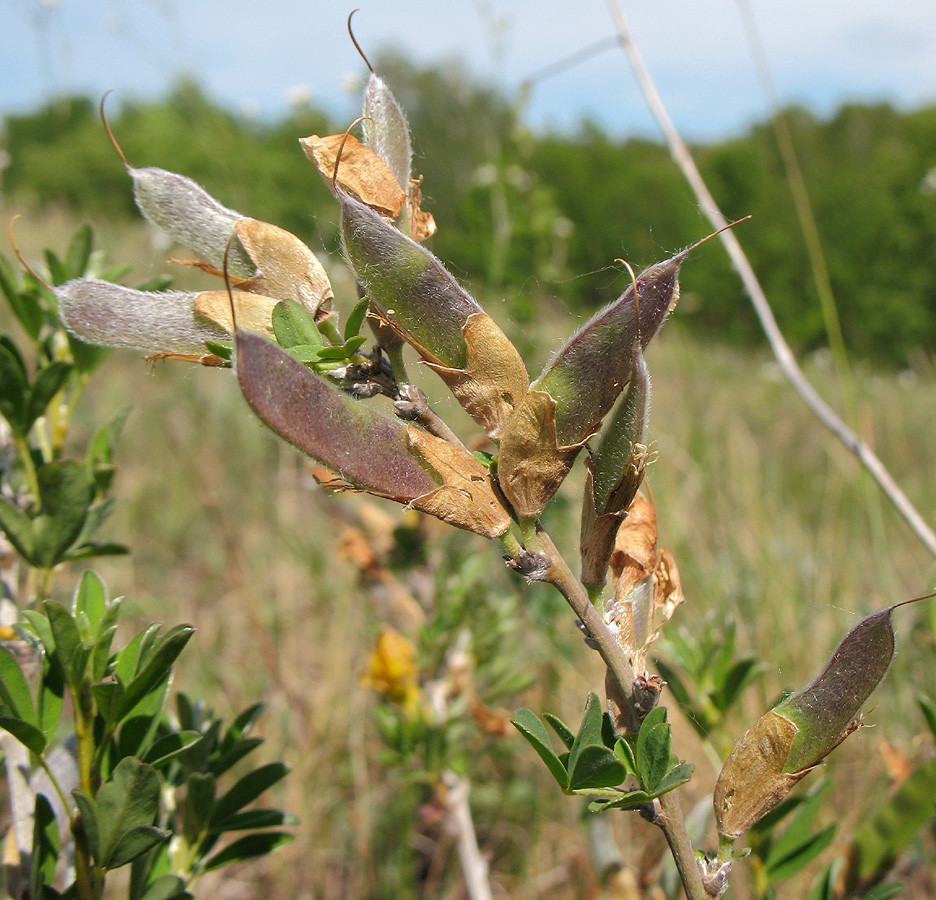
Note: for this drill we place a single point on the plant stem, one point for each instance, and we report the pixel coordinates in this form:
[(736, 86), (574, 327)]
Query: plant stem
[(670, 820), (560, 576), (669, 817), (474, 865), (29, 469)]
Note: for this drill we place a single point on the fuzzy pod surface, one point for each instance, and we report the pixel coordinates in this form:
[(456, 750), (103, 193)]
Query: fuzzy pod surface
[(590, 370), (406, 284), (190, 215), (385, 129), (112, 315)]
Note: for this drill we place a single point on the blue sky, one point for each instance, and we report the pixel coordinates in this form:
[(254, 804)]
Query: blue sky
[(256, 57)]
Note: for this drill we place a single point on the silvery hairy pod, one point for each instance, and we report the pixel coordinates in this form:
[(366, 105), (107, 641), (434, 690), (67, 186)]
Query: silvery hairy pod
[(260, 258), (368, 450), (796, 735), (172, 322), (578, 387)]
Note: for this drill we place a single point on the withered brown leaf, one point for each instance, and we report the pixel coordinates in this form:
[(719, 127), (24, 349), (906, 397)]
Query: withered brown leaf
[(361, 171), (494, 379)]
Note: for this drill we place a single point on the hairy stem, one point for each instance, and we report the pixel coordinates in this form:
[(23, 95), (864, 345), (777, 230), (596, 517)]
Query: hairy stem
[(669, 818), (560, 576)]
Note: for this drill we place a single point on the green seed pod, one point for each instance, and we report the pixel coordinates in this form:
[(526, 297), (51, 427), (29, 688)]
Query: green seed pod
[(410, 290), (615, 449), (116, 316), (614, 474), (589, 372), (369, 451), (795, 736), (406, 284)]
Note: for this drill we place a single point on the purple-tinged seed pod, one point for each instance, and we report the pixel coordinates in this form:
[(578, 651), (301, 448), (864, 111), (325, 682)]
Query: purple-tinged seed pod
[(786, 743), (369, 450), (591, 369), (112, 315)]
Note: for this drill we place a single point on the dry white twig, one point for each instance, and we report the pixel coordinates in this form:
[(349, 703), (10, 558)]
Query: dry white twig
[(781, 349), (474, 865)]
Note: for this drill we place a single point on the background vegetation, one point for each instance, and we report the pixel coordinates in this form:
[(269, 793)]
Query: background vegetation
[(765, 515)]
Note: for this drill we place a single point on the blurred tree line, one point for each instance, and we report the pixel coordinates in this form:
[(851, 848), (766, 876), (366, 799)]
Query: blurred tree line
[(535, 218)]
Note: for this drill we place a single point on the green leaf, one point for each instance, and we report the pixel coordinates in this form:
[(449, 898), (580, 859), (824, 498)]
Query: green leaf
[(91, 600), (127, 801), (356, 319), (25, 732), (24, 305), (133, 843), (169, 746), (65, 493), (566, 734), (529, 725), (293, 325), (823, 887), (72, 655), (79, 252), (798, 832), (248, 847), (200, 788), (56, 268), (245, 791), (51, 696), (47, 384), (227, 759), (627, 800), (45, 846), (86, 356), (882, 836), (256, 818), (884, 891), (676, 776), (166, 887), (333, 354), (652, 753), (17, 526), (107, 696), (14, 390), (89, 821), (674, 683), (625, 753), (352, 345), (735, 681), (306, 353), (157, 667), (929, 712), (221, 350), (595, 766), (100, 653), (14, 689), (801, 857), (589, 731)]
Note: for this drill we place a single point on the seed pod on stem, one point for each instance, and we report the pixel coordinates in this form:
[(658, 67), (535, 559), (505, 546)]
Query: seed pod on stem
[(796, 735), (263, 258), (413, 293), (614, 473), (369, 451)]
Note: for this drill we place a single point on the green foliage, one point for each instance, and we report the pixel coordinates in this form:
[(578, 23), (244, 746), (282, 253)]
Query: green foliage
[(596, 760)]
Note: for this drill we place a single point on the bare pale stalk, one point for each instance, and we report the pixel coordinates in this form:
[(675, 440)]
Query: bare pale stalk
[(781, 349), (474, 866)]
